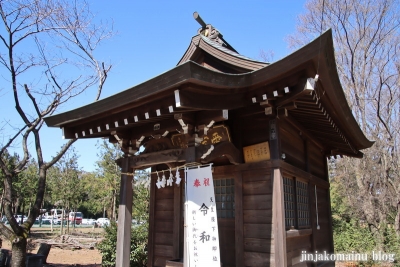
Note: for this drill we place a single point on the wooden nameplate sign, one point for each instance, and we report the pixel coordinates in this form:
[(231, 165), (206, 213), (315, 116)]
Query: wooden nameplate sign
[(257, 152)]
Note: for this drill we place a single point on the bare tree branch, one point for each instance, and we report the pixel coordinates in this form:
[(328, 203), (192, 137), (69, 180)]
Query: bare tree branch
[(56, 35), (60, 153)]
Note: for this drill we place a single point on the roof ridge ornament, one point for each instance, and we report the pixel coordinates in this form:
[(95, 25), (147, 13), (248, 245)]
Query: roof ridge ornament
[(209, 31)]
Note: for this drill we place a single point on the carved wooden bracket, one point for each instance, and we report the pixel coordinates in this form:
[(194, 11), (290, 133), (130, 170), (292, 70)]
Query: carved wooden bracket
[(162, 157), (223, 149), (201, 154)]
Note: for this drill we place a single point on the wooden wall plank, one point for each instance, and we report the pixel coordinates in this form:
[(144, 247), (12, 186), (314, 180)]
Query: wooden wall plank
[(323, 236), (254, 175), (163, 251), (166, 192), (294, 257), (257, 202), (164, 204), (257, 216), (316, 161), (258, 245), (163, 239), (292, 144), (227, 240), (164, 214), (296, 243), (163, 226), (257, 230), (257, 188), (257, 259), (160, 261)]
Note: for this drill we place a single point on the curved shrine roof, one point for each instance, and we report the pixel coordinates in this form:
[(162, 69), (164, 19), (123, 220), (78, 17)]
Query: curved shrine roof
[(320, 109)]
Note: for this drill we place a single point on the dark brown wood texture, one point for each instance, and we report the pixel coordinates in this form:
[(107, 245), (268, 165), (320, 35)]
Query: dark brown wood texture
[(164, 246), (248, 239), (257, 217), (316, 159), (254, 128), (292, 145), (323, 236), (311, 239), (294, 247)]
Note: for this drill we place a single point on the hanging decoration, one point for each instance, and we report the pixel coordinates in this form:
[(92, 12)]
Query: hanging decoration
[(159, 183), (170, 180), (163, 180), (177, 177)]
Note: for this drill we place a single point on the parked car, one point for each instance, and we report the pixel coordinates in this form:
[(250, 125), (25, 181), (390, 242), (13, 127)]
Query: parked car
[(57, 213), (88, 221), (20, 218), (77, 216), (46, 221), (57, 221), (102, 222), (42, 221)]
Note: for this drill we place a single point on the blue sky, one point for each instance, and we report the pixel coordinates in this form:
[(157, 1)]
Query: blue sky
[(153, 35)]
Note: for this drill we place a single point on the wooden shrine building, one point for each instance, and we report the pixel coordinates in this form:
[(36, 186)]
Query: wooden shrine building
[(268, 130)]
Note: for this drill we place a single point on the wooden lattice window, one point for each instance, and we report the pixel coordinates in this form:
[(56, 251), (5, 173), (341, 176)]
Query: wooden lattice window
[(303, 210), (296, 197), (290, 204), (224, 190)]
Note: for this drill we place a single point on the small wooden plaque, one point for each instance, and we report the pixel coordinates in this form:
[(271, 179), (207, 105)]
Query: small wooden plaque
[(256, 152)]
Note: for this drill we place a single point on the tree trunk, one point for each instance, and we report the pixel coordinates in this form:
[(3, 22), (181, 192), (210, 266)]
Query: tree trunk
[(68, 225), (19, 252), (113, 207), (1, 204), (62, 221), (30, 207), (22, 213)]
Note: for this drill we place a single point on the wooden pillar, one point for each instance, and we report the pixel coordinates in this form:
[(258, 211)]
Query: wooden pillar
[(150, 239), (278, 205), (124, 216), (313, 222), (311, 196), (278, 219)]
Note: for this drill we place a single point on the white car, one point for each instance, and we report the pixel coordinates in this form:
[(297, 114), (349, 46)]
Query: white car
[(103, 222), (56, 221), (88, 221), (20, 218)]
